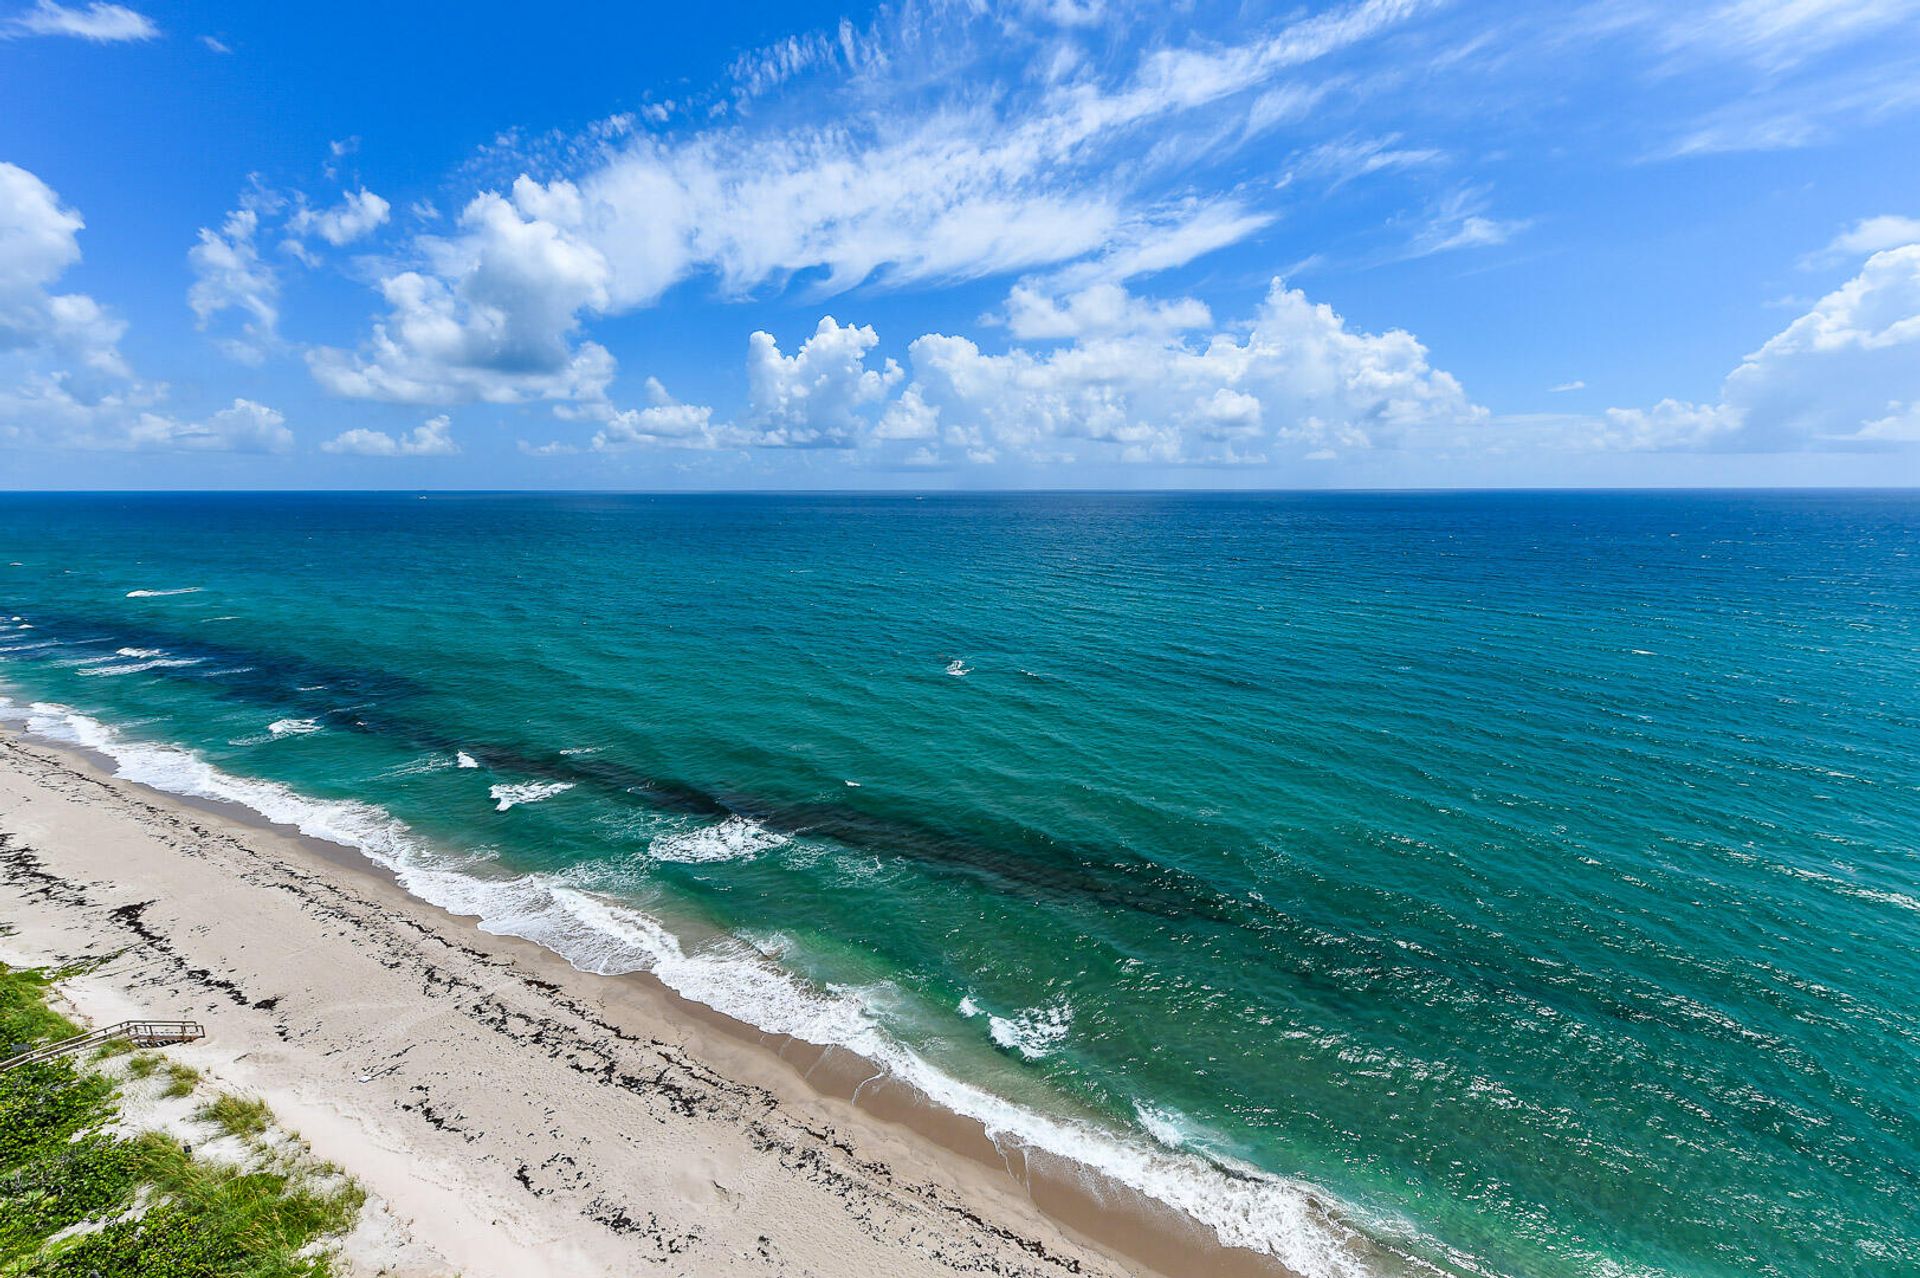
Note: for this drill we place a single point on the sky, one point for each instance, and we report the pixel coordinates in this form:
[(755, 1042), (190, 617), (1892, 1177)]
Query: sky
[(960, 245)]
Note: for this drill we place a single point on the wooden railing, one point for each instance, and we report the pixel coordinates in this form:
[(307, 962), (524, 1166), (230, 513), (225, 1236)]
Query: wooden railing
[(139, 1033)]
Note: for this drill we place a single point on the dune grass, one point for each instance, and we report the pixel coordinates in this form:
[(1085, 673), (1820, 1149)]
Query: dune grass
[(79, 1200)]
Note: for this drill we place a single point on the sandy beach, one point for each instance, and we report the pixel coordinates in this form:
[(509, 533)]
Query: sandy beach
[(520, 1117)]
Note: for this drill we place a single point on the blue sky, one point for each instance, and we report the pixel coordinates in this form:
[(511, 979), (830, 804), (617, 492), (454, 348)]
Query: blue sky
[(1057, 243)]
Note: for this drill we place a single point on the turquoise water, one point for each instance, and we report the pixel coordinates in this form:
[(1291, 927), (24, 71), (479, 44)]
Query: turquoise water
[(1530, 880)]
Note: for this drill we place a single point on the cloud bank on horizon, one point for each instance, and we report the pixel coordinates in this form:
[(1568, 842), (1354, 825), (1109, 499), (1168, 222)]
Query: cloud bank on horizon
[(1017, 243)]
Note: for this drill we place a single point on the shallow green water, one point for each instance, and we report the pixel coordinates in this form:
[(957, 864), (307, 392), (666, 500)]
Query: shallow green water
[(1534, 878)]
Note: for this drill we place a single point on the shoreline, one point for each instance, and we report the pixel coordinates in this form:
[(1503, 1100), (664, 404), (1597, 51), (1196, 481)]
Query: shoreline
[(902, 1170)]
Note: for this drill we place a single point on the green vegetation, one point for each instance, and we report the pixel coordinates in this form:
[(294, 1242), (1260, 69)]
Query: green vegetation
[(78, 1201), (180, 1079), (235, 1116)]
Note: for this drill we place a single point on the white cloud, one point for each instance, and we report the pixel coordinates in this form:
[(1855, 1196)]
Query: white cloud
[(1342, 161), (1299, 381), (1901, 425), (1066, 13), (1845, 374), (1777, 34), (1670, 424), (664, 423), (1460, 221), (63, 381), (909, 417), (432, 438), (493, 317), (1869, 235), (814, 397), (246, 427), (895, 191), (1563, 387), (358, 213), (102, 23), (39, 240), (229, 275), (1100, 310)]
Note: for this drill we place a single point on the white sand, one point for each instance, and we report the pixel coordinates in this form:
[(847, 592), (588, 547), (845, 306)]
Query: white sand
[(516, 1117)]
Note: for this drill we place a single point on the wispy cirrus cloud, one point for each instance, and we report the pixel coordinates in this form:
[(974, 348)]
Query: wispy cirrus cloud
[(101, 23)]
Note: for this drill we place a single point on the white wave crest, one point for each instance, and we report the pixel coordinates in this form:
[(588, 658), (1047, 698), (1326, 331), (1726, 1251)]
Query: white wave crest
[(958, 668), (507, 796), (462, 759), (29, 647), (1243, 1206), (161, 594), (734, 839), (135, 667), (1163, 1125), (293, 727), (1034, 1033)]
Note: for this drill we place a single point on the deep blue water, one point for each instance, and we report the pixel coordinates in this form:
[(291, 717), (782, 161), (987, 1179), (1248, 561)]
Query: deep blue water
[(1532, 879)]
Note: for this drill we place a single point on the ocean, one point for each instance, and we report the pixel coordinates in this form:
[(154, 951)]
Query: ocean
[(1499, 884)]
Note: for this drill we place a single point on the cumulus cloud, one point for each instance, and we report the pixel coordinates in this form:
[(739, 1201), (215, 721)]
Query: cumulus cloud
[(101, 23), (1300, 381), (1845, 374), (493, 316), (39, 241), (432, 438), (664, 423), (814, 397), (230, 275), (358, 213), (245, 427), (63, 381)]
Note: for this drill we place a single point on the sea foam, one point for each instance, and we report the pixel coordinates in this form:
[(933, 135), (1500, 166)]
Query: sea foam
[(161, 594), (1034, 1033), (507, 796), (734, 839), (1245, 1207)]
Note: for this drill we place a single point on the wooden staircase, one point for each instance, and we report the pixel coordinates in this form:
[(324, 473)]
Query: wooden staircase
[(139, 1033)]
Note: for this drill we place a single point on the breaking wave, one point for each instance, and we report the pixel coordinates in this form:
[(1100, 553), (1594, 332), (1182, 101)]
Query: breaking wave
[(508, 796), (1245, 1207), (734, 839)]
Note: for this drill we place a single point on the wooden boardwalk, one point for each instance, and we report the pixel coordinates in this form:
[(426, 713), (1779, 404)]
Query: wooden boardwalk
[(139, 1033)]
